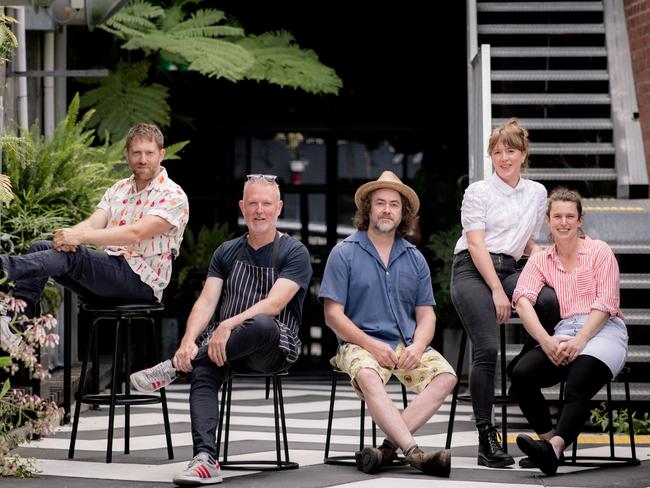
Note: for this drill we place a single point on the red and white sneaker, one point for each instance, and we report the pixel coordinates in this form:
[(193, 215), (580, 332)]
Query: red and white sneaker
[(202, 470), (154, 378)]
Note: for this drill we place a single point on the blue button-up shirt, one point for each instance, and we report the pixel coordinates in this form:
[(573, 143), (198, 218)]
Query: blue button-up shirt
[(378, 299)]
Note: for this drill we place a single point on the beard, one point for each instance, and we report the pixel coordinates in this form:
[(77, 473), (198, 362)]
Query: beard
[(385, 226)]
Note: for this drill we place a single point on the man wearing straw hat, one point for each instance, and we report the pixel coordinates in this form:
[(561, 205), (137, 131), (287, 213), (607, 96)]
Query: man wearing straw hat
[(379, 301)]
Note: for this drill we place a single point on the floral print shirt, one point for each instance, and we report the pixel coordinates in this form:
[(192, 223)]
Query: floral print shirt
[(150, 258)]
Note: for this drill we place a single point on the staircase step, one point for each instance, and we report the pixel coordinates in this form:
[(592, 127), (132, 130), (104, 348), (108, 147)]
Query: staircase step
[(529, 29), (572, 148), (630, 247), (636, 316), (549, 75), (571, 174), (539, 6), (548, 52), (562, 124), (550, 99), (635, 281)]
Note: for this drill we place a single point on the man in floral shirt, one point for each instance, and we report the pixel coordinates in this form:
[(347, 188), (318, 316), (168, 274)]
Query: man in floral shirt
[(138, 224)]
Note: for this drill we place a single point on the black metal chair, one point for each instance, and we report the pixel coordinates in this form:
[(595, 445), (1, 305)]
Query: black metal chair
[(123, 316), (612, 459), (502, 400), (280, 423), (348, 459)]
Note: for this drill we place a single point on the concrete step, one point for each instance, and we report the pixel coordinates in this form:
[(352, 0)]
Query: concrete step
[(548, 52), (539, 6), (549, 75), (562, 124), (566, 148), (551, 99), (635, 281), (543, 29), (636, 316), (571, 174)]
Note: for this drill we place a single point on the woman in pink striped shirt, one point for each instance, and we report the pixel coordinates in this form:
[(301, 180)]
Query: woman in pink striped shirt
[(589, 344)]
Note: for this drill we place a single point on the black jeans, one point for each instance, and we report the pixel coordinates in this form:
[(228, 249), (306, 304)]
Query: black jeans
[(472, 299), (252, 347), (584, 377), (87, 272)]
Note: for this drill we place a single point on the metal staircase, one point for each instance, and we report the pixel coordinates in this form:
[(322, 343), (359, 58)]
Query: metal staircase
[(563, 68)]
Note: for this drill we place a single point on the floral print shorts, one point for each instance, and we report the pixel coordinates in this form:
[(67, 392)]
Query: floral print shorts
[(351, 358)]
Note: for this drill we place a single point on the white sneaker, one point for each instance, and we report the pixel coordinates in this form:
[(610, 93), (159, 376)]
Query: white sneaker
[(154, 378), (8, 338), (202, 470)]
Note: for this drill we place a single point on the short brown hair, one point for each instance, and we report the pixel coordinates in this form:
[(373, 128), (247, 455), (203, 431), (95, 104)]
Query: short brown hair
[(511, 134), (362, 217), (564, 194), (149, 132)]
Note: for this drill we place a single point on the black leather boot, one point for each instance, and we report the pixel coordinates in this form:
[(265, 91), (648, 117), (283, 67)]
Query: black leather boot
[(490, 452)]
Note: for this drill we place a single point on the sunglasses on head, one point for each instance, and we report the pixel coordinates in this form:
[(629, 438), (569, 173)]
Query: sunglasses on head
[(258, 176)]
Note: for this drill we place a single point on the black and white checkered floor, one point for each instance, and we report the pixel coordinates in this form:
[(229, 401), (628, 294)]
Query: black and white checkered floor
[(252, 437)]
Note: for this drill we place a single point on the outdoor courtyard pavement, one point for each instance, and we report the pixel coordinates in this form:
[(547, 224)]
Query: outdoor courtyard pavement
[(306, 405)]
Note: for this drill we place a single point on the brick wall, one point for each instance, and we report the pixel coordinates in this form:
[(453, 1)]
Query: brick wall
[(638, 26)]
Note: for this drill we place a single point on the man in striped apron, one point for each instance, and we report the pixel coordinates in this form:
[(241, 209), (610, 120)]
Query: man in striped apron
[(256, 284)]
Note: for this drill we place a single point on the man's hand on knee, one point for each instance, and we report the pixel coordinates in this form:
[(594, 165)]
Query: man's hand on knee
[(217, 345), (383, 353), (410, 357)]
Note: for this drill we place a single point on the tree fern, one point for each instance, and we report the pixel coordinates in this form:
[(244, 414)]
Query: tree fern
[(123, 100), (279, 60)]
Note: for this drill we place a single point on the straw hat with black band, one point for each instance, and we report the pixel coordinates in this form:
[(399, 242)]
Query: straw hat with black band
[(389, 180)]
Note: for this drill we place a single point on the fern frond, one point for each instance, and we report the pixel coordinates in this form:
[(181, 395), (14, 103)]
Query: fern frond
[(133, 20), (122, 100), (279, 60), (6, 195), (172, 151)]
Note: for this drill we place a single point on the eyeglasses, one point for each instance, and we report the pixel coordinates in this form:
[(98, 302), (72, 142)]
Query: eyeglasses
[(258, 176)]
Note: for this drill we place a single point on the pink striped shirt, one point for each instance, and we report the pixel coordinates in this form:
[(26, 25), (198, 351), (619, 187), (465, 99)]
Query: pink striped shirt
[(594, 285)]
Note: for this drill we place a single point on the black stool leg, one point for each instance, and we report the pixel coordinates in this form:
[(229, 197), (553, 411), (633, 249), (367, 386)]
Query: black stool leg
[(630, 425), (227, 435), (454, 398), (330, 418), (276, 415), (114, 386), (163, 394), (362, 425), (610, 426), (224, 393), (283, 419), (127, 385), (504, 407), (81, 390)]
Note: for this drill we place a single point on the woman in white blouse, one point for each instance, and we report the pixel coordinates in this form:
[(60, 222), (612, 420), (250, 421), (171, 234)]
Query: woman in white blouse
[(500, 215), (589, 344)]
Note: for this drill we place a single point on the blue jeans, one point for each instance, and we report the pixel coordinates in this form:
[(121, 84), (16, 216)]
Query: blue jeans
[(89, 273), (472, 299), (252, 347)]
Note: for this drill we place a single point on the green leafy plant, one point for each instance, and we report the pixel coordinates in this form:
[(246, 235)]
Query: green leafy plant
[(441, 246), (180, 36), (600, 417), (56, 181), (23, 415), (8, 42), (197, 251)]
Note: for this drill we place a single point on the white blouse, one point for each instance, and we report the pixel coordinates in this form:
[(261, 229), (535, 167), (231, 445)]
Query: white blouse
[(509, 216)]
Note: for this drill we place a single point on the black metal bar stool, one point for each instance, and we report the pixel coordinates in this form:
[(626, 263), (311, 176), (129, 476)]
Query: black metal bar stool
[(612, 459), (503, 399), (276, 464), (348, 459), (123, 315)]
